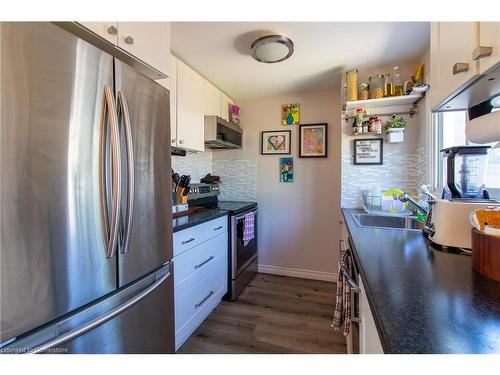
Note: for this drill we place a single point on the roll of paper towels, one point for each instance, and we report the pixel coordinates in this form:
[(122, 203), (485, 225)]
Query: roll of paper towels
[(484, 129)]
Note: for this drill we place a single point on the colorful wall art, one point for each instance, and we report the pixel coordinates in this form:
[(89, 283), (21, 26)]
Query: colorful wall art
[(290, 114), (313, 141), (286, 169), (275, 142)]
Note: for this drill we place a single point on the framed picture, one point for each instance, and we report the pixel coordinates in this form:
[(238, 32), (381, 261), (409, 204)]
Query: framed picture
[(276, 142), (313, 141), (368, 151), (290, 114), (286, 169)]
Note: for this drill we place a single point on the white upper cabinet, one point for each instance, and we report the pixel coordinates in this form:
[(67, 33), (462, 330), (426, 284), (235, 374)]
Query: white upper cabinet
[(451, 57), (173, 100), (489, 37), (171, 84), (212, 100), (190, 111), (106, 30), (225, 102), (148, 41)]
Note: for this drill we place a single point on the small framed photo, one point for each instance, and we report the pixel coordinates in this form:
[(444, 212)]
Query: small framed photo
[(313, 140), (276, 142), (368, 151)]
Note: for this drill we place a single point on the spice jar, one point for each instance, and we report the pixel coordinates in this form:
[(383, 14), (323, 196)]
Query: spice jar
[(352, 84), (363, 93), (377, 86)]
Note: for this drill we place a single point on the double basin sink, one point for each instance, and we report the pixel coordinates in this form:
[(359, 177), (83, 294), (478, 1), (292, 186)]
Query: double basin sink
[(387, 222)]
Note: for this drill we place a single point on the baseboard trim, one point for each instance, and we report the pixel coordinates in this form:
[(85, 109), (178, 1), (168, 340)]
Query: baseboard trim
[(297, 272)]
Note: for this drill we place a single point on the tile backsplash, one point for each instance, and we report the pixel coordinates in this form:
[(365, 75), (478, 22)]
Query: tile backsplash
[(400, 170), (197, 165), (239, 177)]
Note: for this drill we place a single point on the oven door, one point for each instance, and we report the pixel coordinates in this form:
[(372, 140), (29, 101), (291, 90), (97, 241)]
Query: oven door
[(241, 255)]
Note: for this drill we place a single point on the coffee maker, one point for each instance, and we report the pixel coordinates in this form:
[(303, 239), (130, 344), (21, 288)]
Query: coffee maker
[(465, 168)]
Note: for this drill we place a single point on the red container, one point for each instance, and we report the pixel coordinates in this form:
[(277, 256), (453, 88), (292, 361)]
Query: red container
[(486, 254)]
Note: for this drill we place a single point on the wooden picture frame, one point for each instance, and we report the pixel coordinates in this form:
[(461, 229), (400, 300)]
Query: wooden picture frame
[(276, 142), (313, 140), (369, 151)]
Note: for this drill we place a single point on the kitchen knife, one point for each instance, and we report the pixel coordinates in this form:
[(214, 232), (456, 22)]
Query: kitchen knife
[(186, 185)]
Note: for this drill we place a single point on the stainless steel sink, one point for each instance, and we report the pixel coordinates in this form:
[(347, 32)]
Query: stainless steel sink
[(387, 222)]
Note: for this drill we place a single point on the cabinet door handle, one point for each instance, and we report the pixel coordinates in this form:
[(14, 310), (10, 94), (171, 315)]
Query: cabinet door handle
[(181, 141), (188, 241), (129, 40), (480, 52), (460, 68), (112, 30), (218, 228), (204, 299), (203, 263), (173, 140)]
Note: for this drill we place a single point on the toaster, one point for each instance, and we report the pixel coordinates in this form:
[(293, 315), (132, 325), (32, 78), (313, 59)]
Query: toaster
[(448, 223)]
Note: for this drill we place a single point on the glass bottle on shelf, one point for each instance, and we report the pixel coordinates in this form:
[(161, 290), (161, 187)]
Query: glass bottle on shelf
[(376, 84), (352, 84), (398, 85), (388, 86)]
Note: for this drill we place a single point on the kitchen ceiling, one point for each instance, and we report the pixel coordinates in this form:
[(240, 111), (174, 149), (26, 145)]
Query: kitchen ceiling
[(220, 51)]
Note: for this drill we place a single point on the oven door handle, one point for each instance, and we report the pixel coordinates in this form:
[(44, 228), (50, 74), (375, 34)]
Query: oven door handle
[(255, 211)]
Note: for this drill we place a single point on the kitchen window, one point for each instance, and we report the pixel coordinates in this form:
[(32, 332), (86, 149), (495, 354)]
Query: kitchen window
[(450, 131)]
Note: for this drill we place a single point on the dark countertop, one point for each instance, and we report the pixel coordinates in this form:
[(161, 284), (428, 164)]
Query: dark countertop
[(424, 300), (195, 218)]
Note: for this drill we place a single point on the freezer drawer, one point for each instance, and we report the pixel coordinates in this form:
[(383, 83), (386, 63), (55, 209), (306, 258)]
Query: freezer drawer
[(136, 319)]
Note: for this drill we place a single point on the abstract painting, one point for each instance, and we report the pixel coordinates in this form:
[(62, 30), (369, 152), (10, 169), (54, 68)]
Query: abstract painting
[(290, 114), (275, 142), (313, 141), (286, 169)]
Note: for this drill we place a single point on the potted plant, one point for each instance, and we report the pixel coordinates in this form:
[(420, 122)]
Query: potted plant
[(395, 128)]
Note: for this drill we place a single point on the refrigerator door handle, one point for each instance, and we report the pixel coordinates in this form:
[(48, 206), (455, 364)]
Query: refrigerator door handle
[(110, 234), (124, 112), (99, 320)]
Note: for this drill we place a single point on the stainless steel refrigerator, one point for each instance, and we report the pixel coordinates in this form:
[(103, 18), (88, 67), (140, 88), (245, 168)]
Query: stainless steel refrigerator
[(86, 227)]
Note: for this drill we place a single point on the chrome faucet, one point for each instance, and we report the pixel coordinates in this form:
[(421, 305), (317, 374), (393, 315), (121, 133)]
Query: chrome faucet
[(406, 198)]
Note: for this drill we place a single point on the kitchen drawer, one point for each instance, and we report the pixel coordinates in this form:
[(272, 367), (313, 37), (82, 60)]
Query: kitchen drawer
[(215, 227), (193, 307), (193, 265), (188, 238)]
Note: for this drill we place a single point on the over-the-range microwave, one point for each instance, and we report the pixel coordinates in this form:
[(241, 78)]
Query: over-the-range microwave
[(222, 134)]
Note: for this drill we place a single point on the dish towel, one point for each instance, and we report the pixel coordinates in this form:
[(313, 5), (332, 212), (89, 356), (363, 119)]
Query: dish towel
[(342, 312), (248, 228)]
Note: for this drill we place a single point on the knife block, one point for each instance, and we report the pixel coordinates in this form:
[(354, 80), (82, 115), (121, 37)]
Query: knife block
[(486, 254)]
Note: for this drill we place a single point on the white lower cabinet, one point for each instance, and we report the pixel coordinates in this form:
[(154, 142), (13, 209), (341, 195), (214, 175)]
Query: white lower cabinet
[(369, 341), (200, 275)]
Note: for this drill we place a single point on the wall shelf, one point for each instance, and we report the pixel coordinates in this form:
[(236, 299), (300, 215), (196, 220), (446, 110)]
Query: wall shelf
[(384, 102), (368, 134)]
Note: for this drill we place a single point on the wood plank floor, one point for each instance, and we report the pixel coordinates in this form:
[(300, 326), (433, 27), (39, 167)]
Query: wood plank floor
[(275, 314)]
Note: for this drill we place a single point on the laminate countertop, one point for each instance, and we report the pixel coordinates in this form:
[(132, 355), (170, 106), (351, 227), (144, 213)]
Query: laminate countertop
[(195, 218), (424, 300)]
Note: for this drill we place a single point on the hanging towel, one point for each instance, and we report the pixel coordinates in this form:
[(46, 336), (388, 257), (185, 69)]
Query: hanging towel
[(342, 312), (248, 228)]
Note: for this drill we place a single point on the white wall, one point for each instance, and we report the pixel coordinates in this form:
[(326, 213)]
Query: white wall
[(298, 222)]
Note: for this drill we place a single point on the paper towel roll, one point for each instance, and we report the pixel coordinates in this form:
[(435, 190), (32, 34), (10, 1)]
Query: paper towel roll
[(484, 129)]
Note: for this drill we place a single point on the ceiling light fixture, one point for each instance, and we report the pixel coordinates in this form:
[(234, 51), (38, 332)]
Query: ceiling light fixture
[(272, 48)]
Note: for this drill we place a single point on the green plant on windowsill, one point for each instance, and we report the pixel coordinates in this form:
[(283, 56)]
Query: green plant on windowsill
[(395, 122)]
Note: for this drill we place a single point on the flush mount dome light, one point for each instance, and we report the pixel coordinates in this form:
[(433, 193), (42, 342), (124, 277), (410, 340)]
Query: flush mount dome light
[(272, 48)]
